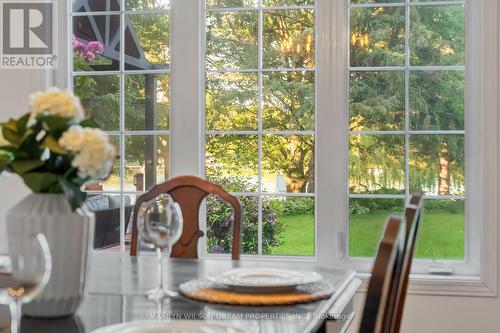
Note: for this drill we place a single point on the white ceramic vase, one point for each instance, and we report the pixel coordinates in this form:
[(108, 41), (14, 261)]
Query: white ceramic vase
[(69, 235)]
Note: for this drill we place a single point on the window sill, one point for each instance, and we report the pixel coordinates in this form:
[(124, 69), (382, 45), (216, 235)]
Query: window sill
[(434, 285)]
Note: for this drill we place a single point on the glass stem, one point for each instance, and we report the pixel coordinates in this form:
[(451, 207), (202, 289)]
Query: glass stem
[(15, 316), (159, 253)]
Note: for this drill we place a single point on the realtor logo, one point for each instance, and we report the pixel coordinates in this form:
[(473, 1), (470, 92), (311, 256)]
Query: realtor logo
[(28, 34)]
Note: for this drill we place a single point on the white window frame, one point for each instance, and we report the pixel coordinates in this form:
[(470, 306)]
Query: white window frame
[(467, 266), (259, 132), (122, 73), (477, 275)]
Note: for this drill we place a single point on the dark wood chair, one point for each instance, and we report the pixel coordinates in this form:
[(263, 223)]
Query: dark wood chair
[(412, 216), (189, 192), (384, 307), (379, 304)]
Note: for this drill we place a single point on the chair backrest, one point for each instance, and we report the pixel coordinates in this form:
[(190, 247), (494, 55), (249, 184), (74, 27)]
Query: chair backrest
[(189, 192), (379, 304), (412, 215)]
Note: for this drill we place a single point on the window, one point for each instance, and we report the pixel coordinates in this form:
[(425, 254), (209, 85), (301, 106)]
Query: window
[(260, 122), (321, 116), (120, 68), (406, 128)]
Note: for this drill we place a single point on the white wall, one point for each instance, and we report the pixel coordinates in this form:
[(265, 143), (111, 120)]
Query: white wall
[(438, 314), (15, 87)]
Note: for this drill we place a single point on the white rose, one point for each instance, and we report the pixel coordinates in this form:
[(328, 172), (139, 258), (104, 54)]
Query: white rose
[(94, 153), (72, 139), (56, 102), (95, 159)]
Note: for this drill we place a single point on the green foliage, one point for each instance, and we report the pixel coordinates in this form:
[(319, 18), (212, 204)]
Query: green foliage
[(377, 98), (220, 220), (31, 150), (293, 206)]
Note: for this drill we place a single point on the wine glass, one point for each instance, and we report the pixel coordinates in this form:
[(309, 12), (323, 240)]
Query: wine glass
[(160, 227), (27, 277)]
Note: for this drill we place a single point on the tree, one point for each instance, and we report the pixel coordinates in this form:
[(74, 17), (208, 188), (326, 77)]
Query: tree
[(436, 98)]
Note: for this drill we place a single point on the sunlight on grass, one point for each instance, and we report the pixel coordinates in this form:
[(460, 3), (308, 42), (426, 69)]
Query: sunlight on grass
[(441, 235), (298, 237)]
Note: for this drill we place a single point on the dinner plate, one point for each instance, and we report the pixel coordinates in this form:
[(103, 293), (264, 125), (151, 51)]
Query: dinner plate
[(176, 326), (272, 279)]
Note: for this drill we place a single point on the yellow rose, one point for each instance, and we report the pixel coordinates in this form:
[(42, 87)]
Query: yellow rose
[(55, 102)]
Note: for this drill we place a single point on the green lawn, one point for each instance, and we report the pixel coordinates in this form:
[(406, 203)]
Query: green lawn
[(441, 235), (298, 237)]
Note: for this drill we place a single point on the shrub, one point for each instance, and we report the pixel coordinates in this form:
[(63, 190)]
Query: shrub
[(220, 218), (293, 206)]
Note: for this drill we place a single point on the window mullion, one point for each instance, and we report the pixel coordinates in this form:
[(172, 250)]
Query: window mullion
[(259, 118), (186, 87), (331, 116)]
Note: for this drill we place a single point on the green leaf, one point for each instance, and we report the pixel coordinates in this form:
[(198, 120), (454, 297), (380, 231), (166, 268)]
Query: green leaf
[(22, 122), (6, 157), (89, 123), (10, 124), (73, 194), (51, 143), (39, 182), (23, 166), (10, 135), (54, 123)]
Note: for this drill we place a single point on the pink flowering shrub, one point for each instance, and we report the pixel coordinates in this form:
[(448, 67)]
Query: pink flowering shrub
[(89, 51)]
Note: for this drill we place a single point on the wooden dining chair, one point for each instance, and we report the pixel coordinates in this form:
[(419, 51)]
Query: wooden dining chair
[(379, 304), (412, 216), (189, 192)]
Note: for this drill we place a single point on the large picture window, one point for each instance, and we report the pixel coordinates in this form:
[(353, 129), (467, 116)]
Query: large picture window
[(120, 67), (260, 122), (406, 129), (265, 90)]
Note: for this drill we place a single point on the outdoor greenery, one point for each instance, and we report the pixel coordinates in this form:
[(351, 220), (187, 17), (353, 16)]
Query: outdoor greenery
[(377, 103)]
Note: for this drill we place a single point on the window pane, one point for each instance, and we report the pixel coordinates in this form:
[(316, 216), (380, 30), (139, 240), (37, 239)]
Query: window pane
[(376, 101), (437, 164), (231, 40), (377, 164), (96, 43), (147, 44), (220, 219), (377, 36), (146, 4), (147, 102), (231, 101), (146, 161), (366, 223), (100, 98), (288, 226), (437, 100), (235, 158), (288, 163), (441, 234), (288, 40), (288, 101), (95, 6), (437, 35), (231, 3), (287, 2)]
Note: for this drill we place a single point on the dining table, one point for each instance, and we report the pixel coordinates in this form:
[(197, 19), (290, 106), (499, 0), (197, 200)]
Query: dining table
[(116, 284)]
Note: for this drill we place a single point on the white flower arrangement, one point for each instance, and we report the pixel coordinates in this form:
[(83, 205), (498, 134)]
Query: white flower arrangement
[(94, 154), (54, 149), (55, 102)]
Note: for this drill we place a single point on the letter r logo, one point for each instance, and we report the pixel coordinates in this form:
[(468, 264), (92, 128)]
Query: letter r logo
[(27, 27)]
